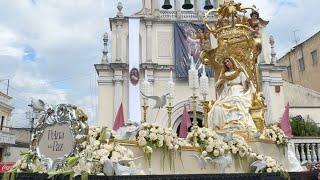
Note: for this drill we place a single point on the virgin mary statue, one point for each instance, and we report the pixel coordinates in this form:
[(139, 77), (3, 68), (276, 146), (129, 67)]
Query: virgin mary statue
[(231, 109)]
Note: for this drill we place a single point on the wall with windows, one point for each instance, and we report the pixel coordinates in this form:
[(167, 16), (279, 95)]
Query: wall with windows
[(302, 63)]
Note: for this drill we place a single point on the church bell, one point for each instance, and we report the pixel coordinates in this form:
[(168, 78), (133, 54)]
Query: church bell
[(208, 5), (166, 4), (187, 5)]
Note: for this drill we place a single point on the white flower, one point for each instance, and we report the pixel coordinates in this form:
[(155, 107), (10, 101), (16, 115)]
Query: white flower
[(260, 157), (202, 136), (269, 170), (24, 165), (170, 146), (204, 153), (149, 149), (142, 133), (176, 147), (197, 145), (209, 148), (274, 169), (216, 152), (142, 141)]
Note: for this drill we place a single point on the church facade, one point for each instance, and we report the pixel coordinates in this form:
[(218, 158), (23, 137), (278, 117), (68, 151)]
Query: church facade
[(157, 56)]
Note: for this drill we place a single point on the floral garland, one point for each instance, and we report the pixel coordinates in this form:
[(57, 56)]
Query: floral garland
[(276, 134)]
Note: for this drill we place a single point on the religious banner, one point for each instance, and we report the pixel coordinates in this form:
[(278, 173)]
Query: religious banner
[(189, 40)]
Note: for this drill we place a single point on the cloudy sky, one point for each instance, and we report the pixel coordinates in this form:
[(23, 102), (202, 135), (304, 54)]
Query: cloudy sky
[(48, 47)]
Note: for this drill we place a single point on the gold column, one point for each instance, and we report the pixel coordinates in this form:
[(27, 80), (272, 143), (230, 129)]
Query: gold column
[(194, 103), (145, 107), (169, 108), (205, 112)]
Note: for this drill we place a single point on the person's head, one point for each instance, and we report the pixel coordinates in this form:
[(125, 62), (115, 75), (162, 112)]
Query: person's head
[(254, 15), (228, 64), (200, 30)]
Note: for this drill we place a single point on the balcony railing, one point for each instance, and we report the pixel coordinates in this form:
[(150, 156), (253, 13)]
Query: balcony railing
[(183, 15), (307, 149)]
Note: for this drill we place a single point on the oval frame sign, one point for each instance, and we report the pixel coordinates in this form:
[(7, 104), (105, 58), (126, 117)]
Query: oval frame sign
[(54, 137)]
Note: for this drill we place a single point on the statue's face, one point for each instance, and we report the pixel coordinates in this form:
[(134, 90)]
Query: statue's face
[(228, 63), (254, 16)]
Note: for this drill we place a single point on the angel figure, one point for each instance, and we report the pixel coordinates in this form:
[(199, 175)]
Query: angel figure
[(255, 22), (231, 109)]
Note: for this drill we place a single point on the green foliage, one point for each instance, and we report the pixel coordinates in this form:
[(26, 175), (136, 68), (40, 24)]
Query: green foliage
[(304, 127)]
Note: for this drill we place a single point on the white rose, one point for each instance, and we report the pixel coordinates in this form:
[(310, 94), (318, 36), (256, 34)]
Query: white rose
[(170, 146), (234, 151), (209, 148), (216, 152), (259, 157), (142, 141), (176, 147), (142, 133), (153, 136), (210, 139), (269, 170), (274, 169), (24, 165), (204, 153)]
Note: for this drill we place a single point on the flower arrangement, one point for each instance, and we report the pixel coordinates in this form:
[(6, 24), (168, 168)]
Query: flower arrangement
[(238, 146), (271, 165), (276, 134), (154, 136), (89, 160), (208, 141)]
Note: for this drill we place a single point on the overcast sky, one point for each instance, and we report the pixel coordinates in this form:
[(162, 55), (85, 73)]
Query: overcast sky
[(48, 47)]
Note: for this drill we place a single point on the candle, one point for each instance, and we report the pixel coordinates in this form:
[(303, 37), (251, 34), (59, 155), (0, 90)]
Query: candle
[(204, 82), (170, 87), (145, 85), (193, 76)]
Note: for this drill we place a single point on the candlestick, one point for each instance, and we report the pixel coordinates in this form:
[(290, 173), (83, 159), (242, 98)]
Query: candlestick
[(194, 103), (169, 108), (145, 89)]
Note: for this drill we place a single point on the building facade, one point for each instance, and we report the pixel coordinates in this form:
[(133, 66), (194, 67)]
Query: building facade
[(301, 76), (156, 52), (302, 63), (7, 139)]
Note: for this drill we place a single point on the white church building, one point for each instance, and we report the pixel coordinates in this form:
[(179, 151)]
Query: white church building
[(152, 48)]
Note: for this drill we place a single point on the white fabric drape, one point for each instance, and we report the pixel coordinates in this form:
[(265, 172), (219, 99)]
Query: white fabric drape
[(134, 90)]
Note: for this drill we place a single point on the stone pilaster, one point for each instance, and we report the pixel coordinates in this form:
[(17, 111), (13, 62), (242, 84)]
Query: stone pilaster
[(148, 41), (118, 39)]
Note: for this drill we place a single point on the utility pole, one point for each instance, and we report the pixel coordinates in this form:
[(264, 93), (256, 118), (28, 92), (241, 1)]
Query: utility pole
[(30, 115)]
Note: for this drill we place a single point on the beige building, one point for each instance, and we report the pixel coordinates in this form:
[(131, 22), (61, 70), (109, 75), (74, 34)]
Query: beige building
[(302, 64), (301, 75), (7, 139)]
